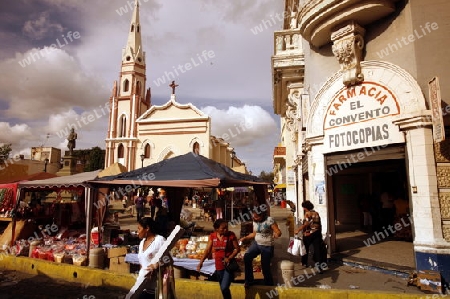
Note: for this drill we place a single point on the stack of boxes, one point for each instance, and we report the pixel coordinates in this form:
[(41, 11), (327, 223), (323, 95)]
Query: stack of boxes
[(116, 257)]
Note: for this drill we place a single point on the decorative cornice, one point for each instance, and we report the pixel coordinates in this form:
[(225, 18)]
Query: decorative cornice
[(317, 18), (420, 119)]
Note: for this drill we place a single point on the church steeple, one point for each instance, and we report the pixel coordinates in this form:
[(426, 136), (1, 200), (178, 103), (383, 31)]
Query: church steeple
[(129, 99), (132, 76), (133, 51)]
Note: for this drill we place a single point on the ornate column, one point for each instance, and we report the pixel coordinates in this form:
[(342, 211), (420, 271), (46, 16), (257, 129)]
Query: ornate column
[(442, 153), (431, 251)]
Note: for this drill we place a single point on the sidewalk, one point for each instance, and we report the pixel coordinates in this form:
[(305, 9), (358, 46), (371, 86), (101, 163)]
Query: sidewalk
[(355, 267)]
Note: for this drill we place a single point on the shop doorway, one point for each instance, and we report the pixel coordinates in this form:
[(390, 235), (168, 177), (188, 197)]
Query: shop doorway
[(367, 199)]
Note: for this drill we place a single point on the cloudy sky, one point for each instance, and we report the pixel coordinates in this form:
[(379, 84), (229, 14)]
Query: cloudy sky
[(45, 88)]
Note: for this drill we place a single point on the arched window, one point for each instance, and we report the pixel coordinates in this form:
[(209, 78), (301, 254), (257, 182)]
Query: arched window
[(120, 151), (126, 85), (138, 88), (196, 148), (137, 28), (122, 126), (147, 151), (132, 28), (121, 154)]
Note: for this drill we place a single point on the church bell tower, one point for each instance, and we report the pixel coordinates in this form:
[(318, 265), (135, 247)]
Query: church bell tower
[(129, 99)]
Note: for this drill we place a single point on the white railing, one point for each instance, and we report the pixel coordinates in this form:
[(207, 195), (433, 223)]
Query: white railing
[(288, 42)]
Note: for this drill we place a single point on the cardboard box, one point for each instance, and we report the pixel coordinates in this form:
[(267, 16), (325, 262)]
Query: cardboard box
[(116, 252), (428, 280), (117, 264)]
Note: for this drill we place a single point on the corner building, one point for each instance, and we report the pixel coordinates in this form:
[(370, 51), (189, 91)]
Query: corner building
[(361, 89)]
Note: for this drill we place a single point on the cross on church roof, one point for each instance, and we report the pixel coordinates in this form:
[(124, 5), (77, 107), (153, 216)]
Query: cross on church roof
[(173, 85)]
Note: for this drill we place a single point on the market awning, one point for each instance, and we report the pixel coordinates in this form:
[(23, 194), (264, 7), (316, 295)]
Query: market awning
[(188, 170), (62, 181), (280, 186)]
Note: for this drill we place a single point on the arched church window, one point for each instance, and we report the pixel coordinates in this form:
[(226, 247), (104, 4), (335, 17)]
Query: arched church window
[(126, 85), (137, 28), (122, 125), (196, 148), (138, 88), (120, 151), (147, 151), (132, 28)]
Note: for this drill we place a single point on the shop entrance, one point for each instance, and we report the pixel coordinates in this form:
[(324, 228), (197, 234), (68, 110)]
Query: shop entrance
[(366, 197)]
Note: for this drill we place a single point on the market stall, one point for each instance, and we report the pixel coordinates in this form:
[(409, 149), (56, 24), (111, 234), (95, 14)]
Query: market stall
[(8, 192), (7, 200), (177, 176), (59, 225), (187, 253), (182, 172)]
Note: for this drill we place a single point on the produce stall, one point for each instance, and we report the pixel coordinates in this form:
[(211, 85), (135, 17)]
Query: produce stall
[(187, 253), (58, 227)]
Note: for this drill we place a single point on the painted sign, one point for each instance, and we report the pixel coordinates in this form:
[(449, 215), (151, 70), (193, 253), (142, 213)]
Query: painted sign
[(319, 191), (290, 177), (361, 116), (434, 90)]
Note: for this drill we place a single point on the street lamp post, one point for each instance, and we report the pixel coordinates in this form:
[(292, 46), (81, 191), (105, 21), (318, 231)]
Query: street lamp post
[(45, 164), (142, 160)]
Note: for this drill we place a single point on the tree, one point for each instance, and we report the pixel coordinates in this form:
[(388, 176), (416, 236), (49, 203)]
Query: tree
[(96, 159), (266, 176), (5, 150)]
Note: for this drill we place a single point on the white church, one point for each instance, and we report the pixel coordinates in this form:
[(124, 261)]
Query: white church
[(140, 134)]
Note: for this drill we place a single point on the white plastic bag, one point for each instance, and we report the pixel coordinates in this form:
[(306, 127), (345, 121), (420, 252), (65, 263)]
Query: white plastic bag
[(296, 246), (291, 244), (301, 247)]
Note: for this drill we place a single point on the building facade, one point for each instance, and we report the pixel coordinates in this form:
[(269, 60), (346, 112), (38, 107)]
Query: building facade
[(140, 134), (364, 118)]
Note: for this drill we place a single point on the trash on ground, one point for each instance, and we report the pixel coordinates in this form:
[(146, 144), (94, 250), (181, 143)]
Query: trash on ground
[(324, 286)]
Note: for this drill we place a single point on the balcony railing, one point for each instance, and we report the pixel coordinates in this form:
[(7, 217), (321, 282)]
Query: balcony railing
[(288, 42)]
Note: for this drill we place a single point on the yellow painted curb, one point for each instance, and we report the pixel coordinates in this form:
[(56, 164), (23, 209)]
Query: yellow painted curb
[(67, 272), (184, 288)]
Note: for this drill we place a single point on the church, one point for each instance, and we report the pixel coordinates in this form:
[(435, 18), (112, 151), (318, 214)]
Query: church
[(140, 134)]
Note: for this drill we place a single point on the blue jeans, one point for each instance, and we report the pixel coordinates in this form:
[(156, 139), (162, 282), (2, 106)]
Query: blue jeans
[(225, 279), (266, 256), (140, 213)]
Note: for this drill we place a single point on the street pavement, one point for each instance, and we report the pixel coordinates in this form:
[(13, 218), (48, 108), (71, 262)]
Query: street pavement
[(15, 284)]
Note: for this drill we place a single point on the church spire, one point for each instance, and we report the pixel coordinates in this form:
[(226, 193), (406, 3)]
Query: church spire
[(133, 51)]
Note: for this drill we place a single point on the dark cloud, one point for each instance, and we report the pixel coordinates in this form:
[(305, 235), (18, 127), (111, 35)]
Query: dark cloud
[(42, 27), (67, 81)]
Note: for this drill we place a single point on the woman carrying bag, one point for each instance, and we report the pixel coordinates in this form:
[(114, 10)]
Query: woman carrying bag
[(312, 237)]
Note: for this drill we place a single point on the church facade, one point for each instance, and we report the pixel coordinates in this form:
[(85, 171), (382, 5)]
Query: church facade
[(364, 118), (140, 133)]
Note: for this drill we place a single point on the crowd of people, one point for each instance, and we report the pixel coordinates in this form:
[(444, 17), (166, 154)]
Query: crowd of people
[(223, 247)]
